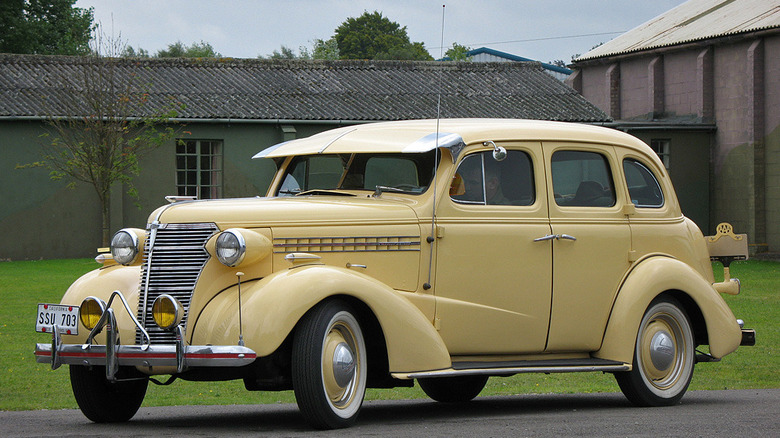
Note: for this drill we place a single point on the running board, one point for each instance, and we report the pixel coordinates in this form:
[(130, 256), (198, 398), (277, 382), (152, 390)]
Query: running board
[(517, 367)]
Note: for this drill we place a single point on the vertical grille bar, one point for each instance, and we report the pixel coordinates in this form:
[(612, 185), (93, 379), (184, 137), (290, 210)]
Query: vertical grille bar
[(171, 266)]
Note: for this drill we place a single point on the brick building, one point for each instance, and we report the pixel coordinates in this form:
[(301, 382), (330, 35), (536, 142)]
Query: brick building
[(701, 84)]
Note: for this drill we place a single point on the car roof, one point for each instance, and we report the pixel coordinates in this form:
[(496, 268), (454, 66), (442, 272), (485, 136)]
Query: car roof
[(420, 136)]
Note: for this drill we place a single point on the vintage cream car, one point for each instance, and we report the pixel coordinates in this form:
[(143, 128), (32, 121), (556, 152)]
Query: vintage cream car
[(438, 251)]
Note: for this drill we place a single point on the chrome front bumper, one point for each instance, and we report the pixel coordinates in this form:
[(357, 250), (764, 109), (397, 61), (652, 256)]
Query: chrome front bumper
[(113, 355)]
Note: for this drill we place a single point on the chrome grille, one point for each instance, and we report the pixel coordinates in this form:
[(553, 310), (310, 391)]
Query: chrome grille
[(174, 255)]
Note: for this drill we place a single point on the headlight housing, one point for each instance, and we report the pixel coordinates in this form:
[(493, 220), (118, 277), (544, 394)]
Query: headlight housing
[(125, 246), (167, 312), (240, 246), (90, 311), (231, 247)]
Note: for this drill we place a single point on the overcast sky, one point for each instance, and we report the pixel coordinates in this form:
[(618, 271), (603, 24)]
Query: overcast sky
[(543, 30)]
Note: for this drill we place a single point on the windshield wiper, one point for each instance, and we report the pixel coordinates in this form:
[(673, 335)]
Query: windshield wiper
[(327, 192), (404, 188)]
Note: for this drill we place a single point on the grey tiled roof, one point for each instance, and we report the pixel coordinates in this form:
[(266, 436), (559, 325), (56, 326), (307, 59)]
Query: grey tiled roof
[(36, 86)]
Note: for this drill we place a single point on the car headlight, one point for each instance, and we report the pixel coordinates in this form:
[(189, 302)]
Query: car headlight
[(125, 246), (237, 246), (231, 247), (167, 312), (90, 311)]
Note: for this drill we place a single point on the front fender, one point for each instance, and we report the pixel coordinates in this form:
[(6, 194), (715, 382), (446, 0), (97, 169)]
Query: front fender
[(650, 278), (101, 283), (274, 305)]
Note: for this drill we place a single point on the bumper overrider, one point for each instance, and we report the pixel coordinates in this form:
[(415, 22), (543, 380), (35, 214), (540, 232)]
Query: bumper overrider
[(113, 355)]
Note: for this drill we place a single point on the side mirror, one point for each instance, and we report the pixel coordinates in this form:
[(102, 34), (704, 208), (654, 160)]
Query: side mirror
[(499, 152)]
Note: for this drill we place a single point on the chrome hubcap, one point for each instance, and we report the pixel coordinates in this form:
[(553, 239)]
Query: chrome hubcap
[(662, 350), (343, 365)]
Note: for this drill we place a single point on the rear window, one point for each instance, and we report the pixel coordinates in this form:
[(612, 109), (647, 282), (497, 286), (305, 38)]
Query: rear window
[(642, 185)]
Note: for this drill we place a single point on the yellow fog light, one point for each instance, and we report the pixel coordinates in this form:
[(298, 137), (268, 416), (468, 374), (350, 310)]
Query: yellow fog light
[(167, 312), (90, 311)]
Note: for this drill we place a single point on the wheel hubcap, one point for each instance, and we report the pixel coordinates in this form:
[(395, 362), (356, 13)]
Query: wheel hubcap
[(662, 350), (343, 365), (662, 354), (339, 366)]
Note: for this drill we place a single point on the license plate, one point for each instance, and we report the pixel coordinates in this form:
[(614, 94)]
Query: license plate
[(66, 318)]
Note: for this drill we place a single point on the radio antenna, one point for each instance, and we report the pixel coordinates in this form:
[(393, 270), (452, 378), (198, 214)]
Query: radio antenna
[(432, 238)]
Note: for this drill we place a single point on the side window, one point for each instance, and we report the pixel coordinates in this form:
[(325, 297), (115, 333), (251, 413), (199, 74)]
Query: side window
[(642, 185), (482, 180), (582, 179)]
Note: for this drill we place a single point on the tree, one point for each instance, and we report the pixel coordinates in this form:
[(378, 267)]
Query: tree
[(195, 50), (458, 52), (101, 124), (45, 27), (372, 36), (130, 52), (287, 53), (326, 49), (321, 50)]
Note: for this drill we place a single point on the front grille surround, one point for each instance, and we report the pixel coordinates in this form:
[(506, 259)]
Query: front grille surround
[(174, 256)]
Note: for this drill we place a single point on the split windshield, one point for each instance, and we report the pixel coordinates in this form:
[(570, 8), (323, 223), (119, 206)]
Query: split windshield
[(409, 173)]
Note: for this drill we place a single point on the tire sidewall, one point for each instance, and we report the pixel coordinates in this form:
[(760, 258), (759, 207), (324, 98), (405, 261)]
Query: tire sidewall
[(645, 392), (308, 382)]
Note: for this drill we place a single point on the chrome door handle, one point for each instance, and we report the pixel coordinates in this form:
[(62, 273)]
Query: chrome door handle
[(555, 237)]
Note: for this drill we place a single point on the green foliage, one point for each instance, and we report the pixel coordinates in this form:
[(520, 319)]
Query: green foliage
[(130, 52), (44, 27), (373, 36), (194, 50), (326, 49), (458, 52), (102, 126), (287, 53), (24, 284)]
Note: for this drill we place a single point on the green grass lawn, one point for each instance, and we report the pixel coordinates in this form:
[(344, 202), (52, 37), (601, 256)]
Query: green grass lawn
[(28, 385)]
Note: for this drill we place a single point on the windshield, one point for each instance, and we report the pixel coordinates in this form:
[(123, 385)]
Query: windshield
[(408, 173)]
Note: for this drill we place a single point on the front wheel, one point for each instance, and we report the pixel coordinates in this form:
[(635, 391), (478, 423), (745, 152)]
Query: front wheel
[(102, 401), (453, 389), (329, 366), (663, 356)]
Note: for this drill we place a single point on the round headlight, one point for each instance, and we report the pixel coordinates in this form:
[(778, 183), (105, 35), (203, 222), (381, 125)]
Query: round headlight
[(90, 311), (230, 247), (124, 246), (167, 312)]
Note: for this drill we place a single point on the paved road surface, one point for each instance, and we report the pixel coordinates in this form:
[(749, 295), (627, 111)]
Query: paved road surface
[(743, 414)]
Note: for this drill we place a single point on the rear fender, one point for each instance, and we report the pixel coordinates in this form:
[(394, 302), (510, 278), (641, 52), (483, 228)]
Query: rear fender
[(650, 278), (273, 306)]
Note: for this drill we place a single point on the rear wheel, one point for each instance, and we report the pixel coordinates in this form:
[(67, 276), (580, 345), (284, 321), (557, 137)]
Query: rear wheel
[(663, 356), (453, 389), (102, 401), (329, 366)]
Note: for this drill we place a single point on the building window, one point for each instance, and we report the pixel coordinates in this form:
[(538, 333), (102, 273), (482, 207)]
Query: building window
[(199, 168), (661, 147)]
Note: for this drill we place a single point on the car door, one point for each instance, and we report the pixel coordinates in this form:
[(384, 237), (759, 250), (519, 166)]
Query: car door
[(590, 242), (493, 282)]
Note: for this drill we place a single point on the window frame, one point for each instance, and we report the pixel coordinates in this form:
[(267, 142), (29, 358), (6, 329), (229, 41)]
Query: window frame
[(207, 181)]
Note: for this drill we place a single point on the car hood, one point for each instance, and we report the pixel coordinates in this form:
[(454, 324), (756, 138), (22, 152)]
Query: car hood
[(269, 212)]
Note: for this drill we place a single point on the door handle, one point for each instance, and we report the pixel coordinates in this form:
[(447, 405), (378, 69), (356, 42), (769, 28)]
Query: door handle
[(555, 237)]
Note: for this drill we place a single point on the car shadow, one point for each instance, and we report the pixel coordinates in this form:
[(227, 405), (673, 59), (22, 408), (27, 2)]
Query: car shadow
[(285, 418)]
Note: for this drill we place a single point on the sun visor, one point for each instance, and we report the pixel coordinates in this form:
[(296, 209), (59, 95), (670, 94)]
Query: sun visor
[(355, 140)]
